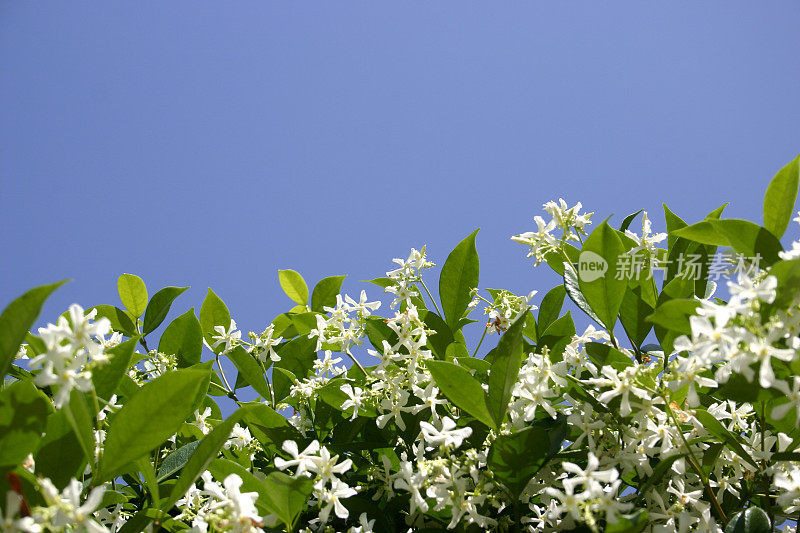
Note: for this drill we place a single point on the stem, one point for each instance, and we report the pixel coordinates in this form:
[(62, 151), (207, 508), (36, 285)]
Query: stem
[(231, 393), (479, 342), (695, 465), (356, 362), (765, 466), (422, 281)]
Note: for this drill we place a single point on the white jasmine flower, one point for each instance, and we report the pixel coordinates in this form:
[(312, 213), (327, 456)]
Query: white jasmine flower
[(447, 436), (229, 337)]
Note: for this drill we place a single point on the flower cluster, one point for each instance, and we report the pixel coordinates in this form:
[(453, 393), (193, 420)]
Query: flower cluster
[(569, 220)]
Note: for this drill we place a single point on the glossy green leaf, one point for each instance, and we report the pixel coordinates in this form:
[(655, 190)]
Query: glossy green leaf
[(151, 416), (133, 293), (602, 291), (715, 427), (269, 427), (81, 420), (252, 372), (462, 389), (787, 274), (60, 455), (183, 338), (441, 337), (23, 417), (176, 460), (213, 313), (514, 459), (674, 315), (458, 278), (286, 496), (325, 291), (120, 320), (633, 315), (297, 356), (559, 330), (603, 354), (505, 369), (551, 306), (780, 198), (158, 307), (106, 377), (17, 319), (572, 288), (750, 520), (743, 236), (626, 222), (294, 286)]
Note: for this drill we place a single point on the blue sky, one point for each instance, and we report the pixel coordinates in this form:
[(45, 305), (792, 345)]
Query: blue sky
[(210, 144)]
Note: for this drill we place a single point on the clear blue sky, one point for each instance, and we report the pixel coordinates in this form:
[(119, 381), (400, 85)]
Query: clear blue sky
[(210, 144)]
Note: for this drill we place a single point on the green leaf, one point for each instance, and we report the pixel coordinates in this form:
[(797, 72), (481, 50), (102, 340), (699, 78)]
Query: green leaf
[(249, 368), (462, 389), (205, 452), (659, 472), (286, 496), (602, 291), (514, 459), (505, 369), (23, 417), (780, 198), (559, 330), (159, 306), (106, 377), (626, 223), (629, 523), (743, 236), (715, 427), (633, 315), (82, 423), (151, 416), (442, 336), (605, 355), (750, 520), (120, 321), (458, 278), (556, 260), (269, 427), (17, 319), (325, 292), (213, 313), (551, 306), (222, 468), (176, 460), (297, 356), (183, 338), (572, 288), (674, 315), (133, 293), (787, 274), (674, 222), (294, 286), (60, 455), (378, 331)]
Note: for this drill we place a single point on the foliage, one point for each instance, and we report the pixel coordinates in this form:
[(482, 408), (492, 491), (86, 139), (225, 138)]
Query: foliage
[(682, 411)]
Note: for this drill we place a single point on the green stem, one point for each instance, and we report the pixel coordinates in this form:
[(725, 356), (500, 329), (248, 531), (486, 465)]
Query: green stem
[(695, 465), (422, 281), (480, 342), (230, 391)]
